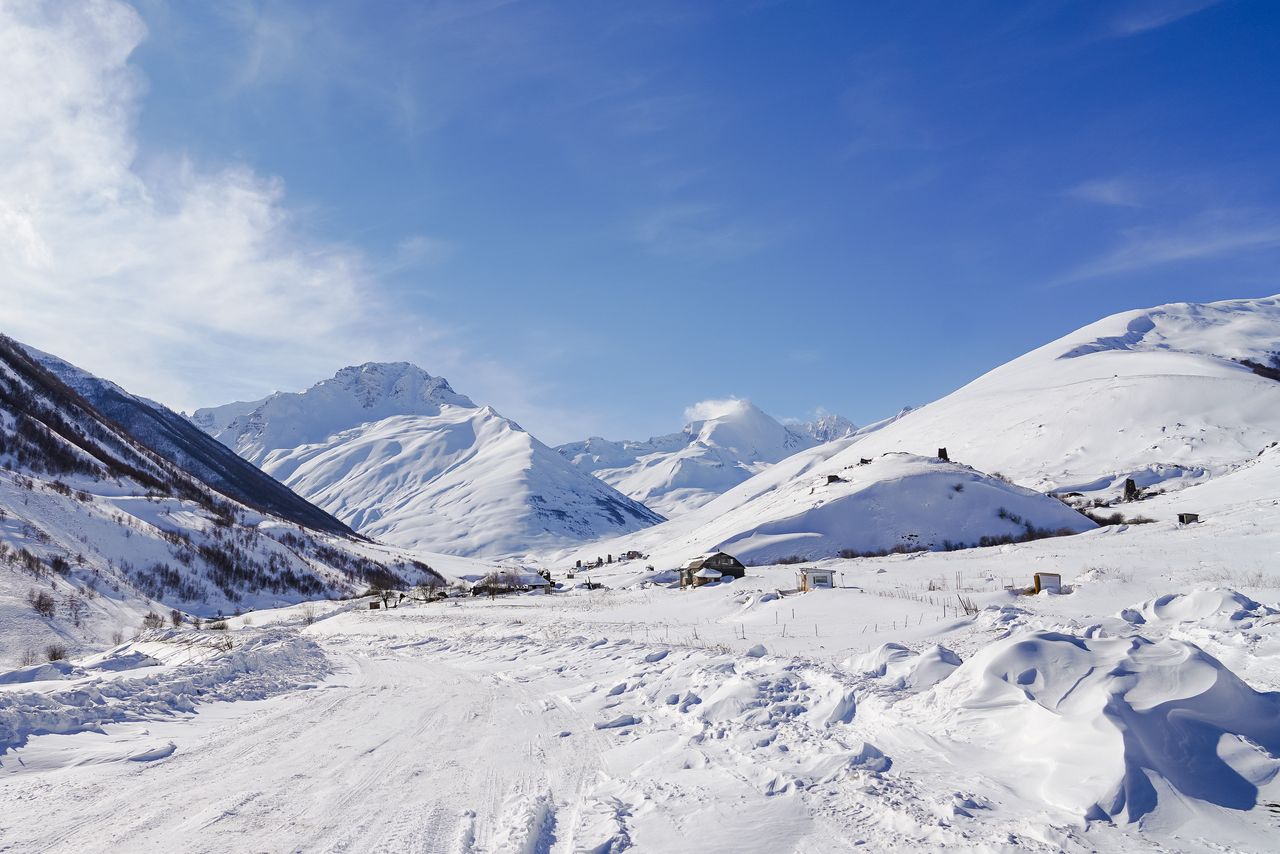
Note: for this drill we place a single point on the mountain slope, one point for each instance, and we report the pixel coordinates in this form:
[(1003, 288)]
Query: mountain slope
[(178, 440), (812, 506), (679, 472), (1169, 395), (97, 530), (401, 456)]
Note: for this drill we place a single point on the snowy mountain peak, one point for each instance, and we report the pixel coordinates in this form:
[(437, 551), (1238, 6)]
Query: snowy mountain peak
[(827, 428), (724, 443), (743, 429), (403, 382), (399, 455)]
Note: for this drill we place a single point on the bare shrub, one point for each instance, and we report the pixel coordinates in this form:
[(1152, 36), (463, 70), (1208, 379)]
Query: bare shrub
[(308, 612), (55, 652), (42, 603)]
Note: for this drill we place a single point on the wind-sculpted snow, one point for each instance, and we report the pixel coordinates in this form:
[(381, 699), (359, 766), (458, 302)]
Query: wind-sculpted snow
[(249, 667), (1112, 728), (1217, 608)]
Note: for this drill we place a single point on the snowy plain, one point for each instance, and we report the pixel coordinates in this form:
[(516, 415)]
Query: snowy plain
[(1136, 711)]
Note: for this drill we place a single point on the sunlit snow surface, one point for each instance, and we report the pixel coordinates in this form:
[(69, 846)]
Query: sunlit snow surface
[(1137, 711)]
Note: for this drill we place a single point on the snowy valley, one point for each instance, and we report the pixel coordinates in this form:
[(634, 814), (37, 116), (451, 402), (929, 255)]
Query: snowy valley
[(922, 653)]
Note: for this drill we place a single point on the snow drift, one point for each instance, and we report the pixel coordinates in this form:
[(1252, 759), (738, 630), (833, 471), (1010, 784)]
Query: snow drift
[(1111, 728)]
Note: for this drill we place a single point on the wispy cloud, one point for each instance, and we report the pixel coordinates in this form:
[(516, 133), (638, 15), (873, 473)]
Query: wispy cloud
[(1214, 235), (700, 232), (1113, 192), (705, 410), (190, 285), (1142, 16)]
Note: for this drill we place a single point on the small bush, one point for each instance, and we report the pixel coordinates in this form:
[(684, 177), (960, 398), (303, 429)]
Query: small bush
[(152, 621), (217, 625), (55, 652), (42, 603)]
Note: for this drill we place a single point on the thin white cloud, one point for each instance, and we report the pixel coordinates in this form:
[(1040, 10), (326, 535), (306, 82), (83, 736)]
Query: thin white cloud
[(1143, 16), (1210, 236), (1113, 192), (699, 232), (705, 410)]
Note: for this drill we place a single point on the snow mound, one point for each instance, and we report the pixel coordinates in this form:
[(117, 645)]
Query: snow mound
[(903, 667), (1218, 608), (260, 666), (1112, 728)]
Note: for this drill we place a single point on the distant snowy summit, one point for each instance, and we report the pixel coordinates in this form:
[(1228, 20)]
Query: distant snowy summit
[(827, 428), (399, 455), (724, 444)]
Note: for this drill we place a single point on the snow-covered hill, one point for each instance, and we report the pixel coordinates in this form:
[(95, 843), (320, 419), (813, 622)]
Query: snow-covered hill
[(399, 455), (98, 530), (179, 441), (812, 507), (727, 443), (1168, 395)]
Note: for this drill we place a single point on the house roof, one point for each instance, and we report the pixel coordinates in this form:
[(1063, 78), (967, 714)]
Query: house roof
[(694, 563), (707, 572)]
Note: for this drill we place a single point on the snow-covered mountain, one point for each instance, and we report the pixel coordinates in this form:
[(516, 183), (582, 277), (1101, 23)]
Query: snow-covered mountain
[(813, 506), (731, 441), (827, 428), (399, 455), (179, 441), (98, 529), (1169, 396)]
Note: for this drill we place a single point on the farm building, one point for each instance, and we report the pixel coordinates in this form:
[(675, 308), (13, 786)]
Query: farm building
[(1050, 581), (815, 579), (718, 562)]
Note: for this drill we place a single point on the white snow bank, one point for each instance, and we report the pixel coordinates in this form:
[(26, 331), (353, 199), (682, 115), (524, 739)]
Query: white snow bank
[(256, 668), (1218, 608), (903, 667), (1112, 728)]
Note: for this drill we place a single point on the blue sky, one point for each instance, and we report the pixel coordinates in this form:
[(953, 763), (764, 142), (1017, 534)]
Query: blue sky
[(593, 214)]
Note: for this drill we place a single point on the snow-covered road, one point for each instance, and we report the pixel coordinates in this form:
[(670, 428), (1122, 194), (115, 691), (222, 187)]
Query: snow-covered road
[(396, 752)]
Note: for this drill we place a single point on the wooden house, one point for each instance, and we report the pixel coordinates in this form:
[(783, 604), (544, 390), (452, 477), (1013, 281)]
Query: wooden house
[(718, 562), (1188, 518)]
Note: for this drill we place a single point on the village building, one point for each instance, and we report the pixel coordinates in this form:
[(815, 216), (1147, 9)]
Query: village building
[(692, 575), (811, 578), (1050, 581)]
